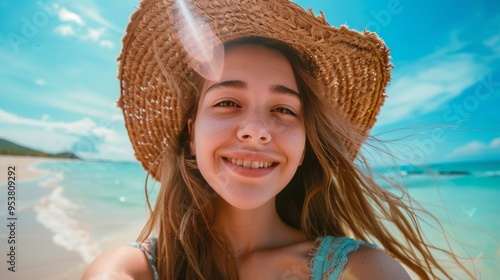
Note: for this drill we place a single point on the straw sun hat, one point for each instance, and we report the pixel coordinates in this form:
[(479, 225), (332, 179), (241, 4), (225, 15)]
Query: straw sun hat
[(155, 68)]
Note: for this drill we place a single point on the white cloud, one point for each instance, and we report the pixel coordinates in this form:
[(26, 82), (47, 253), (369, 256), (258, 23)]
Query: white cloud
[(495, 143), (106, 44), (40, 82), (45, 141), (477, 149), (83, 30), (94, 34), (429, 83), (80, 127), (68, 16), (493, 43), (65, 30), (57, 136), (93, 14), (117, 147), (89, 103), (117, 117)]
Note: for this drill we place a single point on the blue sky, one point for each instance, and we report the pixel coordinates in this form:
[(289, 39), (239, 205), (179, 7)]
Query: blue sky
[(58, 70)]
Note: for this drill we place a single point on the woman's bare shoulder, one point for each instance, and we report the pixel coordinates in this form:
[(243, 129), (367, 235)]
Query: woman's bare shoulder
[(123, 262), (372, 263)]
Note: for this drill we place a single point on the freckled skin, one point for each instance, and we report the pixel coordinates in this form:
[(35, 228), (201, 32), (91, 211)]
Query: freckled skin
[(254, 121)]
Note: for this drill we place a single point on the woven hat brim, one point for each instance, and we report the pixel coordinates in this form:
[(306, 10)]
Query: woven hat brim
[(154, 68)]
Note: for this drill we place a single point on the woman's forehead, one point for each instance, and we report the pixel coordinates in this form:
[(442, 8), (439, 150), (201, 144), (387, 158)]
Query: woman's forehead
[(250, 62)]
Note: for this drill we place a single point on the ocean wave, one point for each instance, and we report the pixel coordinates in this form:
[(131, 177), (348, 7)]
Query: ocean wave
[(52, 181), (495, 173), (433, 173), (54, 213)]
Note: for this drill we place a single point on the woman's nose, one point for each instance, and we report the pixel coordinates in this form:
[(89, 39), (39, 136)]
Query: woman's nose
[(254, 131)]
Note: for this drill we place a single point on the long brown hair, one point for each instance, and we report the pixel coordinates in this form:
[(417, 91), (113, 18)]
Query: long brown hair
[(329, 195)]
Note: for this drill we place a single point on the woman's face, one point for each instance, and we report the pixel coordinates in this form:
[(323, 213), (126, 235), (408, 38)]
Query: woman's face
[(249, 136)]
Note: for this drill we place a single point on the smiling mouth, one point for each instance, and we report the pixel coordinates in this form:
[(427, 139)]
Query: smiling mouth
[(250, 164)]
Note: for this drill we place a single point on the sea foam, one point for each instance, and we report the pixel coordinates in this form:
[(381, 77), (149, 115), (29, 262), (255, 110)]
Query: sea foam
[(54, 212)]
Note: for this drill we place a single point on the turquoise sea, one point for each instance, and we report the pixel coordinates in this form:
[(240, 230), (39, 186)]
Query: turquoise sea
[(86, 202)]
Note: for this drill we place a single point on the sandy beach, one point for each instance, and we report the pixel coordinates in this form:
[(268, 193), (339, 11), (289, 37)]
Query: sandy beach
[(37, 256), (26, 171)]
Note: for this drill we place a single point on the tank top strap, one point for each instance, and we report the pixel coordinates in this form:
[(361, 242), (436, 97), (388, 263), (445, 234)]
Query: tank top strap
[(331, 256), (149, 250)]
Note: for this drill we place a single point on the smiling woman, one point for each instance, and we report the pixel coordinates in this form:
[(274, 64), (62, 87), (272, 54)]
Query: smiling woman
[(252, 116), (256, 159)]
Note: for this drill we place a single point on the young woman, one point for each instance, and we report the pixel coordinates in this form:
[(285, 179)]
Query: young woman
[(256, 162)]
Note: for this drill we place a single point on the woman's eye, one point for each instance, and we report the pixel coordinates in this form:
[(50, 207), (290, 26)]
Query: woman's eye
[(226, 103), (284, 111)]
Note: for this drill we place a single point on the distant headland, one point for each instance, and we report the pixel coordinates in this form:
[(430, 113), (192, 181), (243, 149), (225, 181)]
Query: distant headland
[(10, 148)]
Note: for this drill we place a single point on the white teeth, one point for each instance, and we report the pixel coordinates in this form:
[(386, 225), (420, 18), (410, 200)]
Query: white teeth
[(250, 164)]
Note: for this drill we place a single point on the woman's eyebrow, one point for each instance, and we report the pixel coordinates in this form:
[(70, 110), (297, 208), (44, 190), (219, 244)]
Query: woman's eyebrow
[(238, 84), (283, 89)]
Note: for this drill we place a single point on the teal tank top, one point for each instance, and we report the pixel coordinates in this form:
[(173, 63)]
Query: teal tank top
[(327, 263)]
